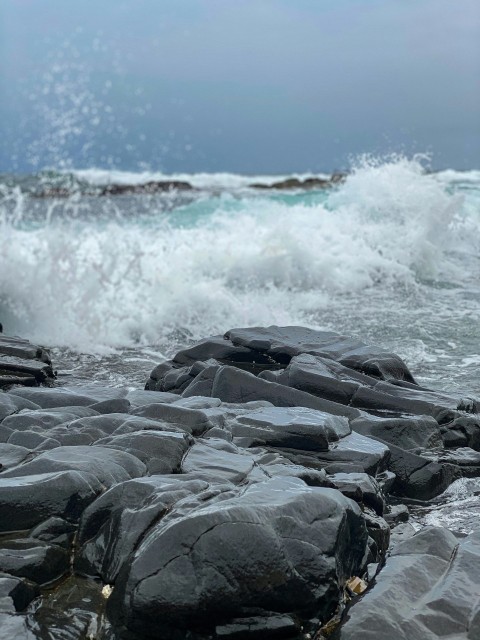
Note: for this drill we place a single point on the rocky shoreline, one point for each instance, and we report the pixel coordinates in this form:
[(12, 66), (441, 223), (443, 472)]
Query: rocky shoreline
[(154, 187), (255, 489)]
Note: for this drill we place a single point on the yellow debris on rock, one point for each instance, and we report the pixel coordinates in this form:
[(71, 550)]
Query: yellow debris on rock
[(356, 585), (107, 591)]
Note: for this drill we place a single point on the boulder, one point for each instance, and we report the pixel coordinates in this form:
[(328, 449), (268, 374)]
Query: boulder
[(18, 590), (29, 500), (160, 451), (35, 560), (404, 432), (360, 487), (11, 455), (418, 477), (278, 546), (236, 386), (112, 527)]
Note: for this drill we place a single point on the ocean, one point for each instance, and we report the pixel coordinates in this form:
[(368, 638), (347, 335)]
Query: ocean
[(114, 284)]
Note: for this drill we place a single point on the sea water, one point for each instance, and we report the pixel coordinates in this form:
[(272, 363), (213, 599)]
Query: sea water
[(113, 285)]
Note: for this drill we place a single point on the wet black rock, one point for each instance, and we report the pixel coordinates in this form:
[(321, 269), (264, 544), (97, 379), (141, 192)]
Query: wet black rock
[(362, 488), (18, 590), (35, 560), (233, 498), (56, 531), (278, 545), (29, 500), (111, 528), (427, 590), (23, 363), (108, 466), (267, 626)]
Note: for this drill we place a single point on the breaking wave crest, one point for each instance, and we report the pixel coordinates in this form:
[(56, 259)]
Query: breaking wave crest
[(217, 261)]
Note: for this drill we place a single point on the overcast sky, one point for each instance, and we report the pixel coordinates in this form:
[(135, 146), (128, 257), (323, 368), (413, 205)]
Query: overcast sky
[(251, 86)]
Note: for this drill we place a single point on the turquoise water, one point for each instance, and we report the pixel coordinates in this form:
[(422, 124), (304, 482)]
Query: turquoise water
[(114, 284)]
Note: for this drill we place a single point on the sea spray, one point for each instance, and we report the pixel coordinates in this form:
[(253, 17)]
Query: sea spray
[(94, 273)]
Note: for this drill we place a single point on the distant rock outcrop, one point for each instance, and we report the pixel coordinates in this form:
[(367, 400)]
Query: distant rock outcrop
[(308, 183)]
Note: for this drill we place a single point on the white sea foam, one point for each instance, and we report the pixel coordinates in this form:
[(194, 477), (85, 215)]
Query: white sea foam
[(227, 181), (252, 260), (450, 175)]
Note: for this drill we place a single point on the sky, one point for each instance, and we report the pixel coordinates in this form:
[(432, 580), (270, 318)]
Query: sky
[(251, 86)]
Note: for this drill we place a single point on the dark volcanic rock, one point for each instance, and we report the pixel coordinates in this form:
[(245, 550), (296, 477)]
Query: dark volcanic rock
[(34, 560), (418, 477), (108, 466), (29, 500), (278, 546), (307, 183), (236, 386), (267, 626), (291, 428), (218, 461), (10, 404), (21, 348), (51, 398), (427, 590), (264, 349), (23, 363), (360, 487), (56, 531), (11, 455), (20, 591), (148, 188), (283, 343), (235, 496), (161, 452), (111, 528), (406, 433)]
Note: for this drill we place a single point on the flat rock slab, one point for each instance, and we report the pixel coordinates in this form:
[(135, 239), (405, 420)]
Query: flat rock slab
[(427, 590), (217, 460), (372, 456), (49, 398), (23, 363), (108, 466), (21, 348), (290, 427), (407, 432)]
